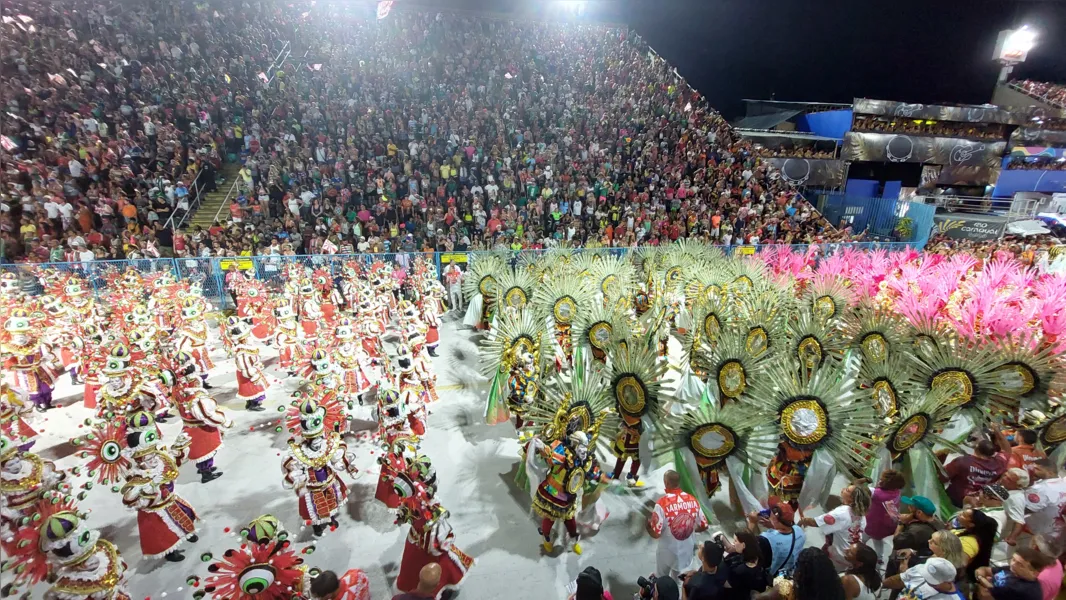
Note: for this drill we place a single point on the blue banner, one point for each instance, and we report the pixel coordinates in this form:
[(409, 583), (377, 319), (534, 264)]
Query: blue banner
[(1017, 180)]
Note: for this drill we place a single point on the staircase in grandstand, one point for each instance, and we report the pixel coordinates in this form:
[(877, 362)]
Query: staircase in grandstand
[(215, 202)]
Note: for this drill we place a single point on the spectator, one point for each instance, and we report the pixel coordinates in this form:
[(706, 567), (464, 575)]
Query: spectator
[(1050, 577), (844, 524), (782, 542), (666, 589), (996, 502), (745, 565), (861, 580), (709, 581), (428, 582), (677, 516), (1025, 453), (916, 526), (353, 585), (931, 580), (1019, 581), (815, 578), (590, 586), (1044, 501), (977, 532), (967, 474), (883, 517)]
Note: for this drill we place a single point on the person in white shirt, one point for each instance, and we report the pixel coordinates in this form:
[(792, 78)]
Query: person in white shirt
[(75, 168), (51, 209), (844, 523), (85, 255), (1044, 499)]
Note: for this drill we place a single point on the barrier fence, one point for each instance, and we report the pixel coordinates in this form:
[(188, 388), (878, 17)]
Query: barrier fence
[(211, 272)]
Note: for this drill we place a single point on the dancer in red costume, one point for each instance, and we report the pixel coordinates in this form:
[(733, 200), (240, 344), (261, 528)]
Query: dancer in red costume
[(164, 519), (287, 339), (251, 380), (204, 421), (430, 539)]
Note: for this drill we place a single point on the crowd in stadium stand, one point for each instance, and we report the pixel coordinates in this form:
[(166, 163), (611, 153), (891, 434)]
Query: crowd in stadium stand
[(1052, 93), (1036, 163), (482, 134), (807, 152), (973, 131)]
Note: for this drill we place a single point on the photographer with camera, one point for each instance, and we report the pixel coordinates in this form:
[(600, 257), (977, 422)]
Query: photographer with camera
[(657, 588), (710, 580), (782, 541)]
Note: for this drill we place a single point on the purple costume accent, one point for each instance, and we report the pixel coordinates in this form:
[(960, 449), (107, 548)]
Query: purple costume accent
[(205, 466)]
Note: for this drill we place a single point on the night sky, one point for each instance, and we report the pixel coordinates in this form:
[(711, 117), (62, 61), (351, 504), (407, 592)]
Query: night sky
[(928, 51)]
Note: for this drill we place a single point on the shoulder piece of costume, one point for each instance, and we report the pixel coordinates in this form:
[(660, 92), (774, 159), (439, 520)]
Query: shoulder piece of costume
[(876, 334), (562, 298), (485, 269), (584, 403), (636, 387), (612, 277), (813, 340), (514, 289), (701, 440), (828, 297), (1052, 433), (731, 369), (818, 410), (889, 383), (269, 570), (600, 328), (1023, 369), (920, 424), (313, 412), (967, 374), (104, 448), (55, 535), (761, 319), (746, 275)]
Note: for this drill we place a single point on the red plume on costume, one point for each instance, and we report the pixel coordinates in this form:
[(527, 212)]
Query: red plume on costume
[(256, 572), (104, 446), (23, 555)]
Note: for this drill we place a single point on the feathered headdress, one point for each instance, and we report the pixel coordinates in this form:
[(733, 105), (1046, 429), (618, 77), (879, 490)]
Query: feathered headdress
[(516, 334)]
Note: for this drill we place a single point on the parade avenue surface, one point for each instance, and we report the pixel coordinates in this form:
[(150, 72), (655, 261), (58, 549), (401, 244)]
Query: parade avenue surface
[(475, 466)]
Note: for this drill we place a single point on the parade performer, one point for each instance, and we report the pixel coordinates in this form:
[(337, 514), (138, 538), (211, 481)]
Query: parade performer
[(330, 298), (393, 415), (93, 360), (14, 412), (26, 367), (127, 387), (312, 463), (429, 540), (191, 334), (369, 329), (357, 372), (420, 364), (399, 457), (310, 310), (512, 358), (432, 308), (254, 305), (413, 392), (56, 546), (479, 288), (24, 478), (568, 419), (635, 377), (559, 302), (203, 422), (251, 379), (164, 519), (287, 340)]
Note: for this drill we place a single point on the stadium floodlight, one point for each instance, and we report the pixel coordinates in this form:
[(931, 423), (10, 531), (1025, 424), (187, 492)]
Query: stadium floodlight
[(1012, 48), (574, 8)]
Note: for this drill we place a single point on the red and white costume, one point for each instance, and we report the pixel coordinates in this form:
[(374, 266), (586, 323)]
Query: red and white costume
[(430, 540), (287, 339), (251, 380), (164, 519), (191, 335)]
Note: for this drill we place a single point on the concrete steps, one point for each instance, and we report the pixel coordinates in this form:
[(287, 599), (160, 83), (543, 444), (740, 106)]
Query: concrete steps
[(205, 215)]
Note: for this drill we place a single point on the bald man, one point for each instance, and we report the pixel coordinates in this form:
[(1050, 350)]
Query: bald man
[(428, 582)]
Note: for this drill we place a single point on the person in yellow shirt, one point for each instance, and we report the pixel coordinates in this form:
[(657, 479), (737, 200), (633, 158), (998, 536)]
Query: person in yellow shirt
[(28, 230), (391, 148), (444, 171)]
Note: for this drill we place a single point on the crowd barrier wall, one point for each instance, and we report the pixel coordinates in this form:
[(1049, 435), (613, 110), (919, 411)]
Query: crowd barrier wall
[(211, 272)]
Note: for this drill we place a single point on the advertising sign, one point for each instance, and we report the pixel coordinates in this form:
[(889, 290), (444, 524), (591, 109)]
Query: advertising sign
[(978, 228)]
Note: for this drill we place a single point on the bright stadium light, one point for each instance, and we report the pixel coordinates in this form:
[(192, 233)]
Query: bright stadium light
[(1012, 48), (574, 8)]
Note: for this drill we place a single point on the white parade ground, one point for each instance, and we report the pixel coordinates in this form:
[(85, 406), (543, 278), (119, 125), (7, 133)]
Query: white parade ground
[(475, 466)]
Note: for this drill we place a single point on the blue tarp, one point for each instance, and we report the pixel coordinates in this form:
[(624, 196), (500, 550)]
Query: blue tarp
[(828, 123), (1010, 182)]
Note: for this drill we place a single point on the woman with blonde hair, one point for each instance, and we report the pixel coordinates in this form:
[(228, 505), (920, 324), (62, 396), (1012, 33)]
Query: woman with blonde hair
[(943, 544)]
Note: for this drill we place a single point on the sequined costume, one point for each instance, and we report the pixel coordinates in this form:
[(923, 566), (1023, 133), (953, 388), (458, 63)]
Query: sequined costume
[(26, 367)]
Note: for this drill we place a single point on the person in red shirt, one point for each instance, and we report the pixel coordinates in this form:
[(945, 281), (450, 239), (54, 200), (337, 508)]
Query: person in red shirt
[(1025, 454), (353, 585), (966, 475), (673, 521)]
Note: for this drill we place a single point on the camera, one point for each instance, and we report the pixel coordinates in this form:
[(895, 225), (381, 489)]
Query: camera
[(647, 587)]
